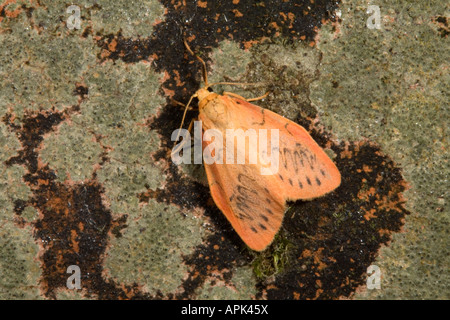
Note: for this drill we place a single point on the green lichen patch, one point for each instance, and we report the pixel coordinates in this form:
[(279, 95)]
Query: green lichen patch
[(286, 71), (30, 214), (19, 267), (131, 18), (130, 169), (414, 265), (229, 63), (37, 77), (151, 248), (119, 93), (8, 142), (70, 294), (390, 85), (241, 286), (71, 153), (121, 98), (365, 72), (12, 191)]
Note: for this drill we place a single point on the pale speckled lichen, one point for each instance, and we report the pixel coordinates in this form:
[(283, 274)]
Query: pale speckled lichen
[(131, 169), (70, 294), (11, 184), (241, 286), (390, 85), (151, 248), (40, 71), (19, 267), (286, 72), (36, 76), (8, 143), (121, 98), (267, 67), (30, 214), (229, 61), (71, 152), (131, 18)]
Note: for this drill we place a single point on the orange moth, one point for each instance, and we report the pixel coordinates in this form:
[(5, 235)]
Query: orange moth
[(254, 200)]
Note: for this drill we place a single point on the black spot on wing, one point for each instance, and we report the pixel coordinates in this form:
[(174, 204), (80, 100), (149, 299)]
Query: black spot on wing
[(318, 181), (293, 158), (245, 180), (287, 129), (308, 180), (244, 190)]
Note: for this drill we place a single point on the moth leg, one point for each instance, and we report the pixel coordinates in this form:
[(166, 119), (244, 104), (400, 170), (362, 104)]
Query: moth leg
[(178, 103), (248, 100), (175, 150), (190, 125), (184, 114)]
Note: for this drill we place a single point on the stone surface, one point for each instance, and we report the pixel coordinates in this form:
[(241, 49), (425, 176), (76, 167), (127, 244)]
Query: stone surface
[(85, 135)]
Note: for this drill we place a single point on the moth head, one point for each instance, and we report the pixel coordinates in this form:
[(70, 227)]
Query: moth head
[(204, 96), (202, 93)]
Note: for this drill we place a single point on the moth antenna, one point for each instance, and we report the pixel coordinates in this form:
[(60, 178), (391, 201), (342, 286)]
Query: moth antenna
[(204, 71), (246, 99), (236, 83), (259, 98)]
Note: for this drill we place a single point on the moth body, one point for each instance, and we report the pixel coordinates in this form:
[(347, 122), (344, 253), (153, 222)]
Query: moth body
[(254, 203)]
